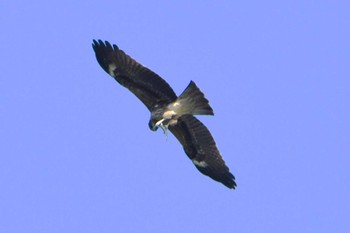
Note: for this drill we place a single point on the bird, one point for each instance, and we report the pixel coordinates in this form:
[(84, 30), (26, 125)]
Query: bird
[(169, 111)]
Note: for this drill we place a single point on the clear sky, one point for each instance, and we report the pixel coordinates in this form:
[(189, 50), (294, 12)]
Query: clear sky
[(76, 152)]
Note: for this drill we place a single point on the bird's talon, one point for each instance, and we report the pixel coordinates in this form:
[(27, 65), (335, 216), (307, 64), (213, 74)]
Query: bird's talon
[(160, 123)]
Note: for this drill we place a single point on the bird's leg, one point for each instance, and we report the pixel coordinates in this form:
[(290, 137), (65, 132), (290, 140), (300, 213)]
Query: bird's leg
[(163, 127), (165, 131)]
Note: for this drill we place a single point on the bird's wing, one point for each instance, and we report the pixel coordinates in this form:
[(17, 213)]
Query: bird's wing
[(200, 147), (144, 83)]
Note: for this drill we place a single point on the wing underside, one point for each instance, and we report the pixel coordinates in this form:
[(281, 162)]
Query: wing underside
[(201, 148), (149, 87)]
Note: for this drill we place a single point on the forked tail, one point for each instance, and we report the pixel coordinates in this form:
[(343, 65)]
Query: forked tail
[(192, 101)]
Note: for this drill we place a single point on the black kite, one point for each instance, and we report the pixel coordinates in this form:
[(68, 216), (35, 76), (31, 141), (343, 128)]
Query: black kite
[(168, 111)]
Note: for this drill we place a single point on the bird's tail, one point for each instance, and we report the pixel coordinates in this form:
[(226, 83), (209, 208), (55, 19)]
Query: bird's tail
[(192, 101)]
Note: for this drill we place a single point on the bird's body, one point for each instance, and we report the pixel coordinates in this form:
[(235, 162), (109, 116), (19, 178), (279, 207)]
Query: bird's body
[(190, 102), (169, 111)]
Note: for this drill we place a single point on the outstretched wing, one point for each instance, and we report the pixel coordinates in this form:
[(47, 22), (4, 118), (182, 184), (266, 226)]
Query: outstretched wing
[(144, 83), (200, 147)]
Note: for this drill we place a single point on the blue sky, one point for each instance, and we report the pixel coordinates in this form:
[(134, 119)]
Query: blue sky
[(76, 153)]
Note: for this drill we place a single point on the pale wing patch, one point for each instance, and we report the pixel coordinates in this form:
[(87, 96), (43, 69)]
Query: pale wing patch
[(111, 69), (200, 163)]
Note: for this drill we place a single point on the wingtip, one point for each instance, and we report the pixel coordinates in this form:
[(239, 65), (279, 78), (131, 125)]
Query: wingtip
[(106, 45), (223, 176), (229, 181), (233, 185)]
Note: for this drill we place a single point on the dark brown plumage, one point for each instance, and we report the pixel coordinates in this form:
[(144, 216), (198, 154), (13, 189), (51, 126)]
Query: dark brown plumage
[(168, 111)]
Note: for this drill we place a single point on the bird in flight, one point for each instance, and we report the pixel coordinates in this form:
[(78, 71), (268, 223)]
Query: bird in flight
[(169, 111)]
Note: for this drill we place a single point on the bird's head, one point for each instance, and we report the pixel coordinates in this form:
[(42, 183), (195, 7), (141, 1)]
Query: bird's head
[(152, 125)]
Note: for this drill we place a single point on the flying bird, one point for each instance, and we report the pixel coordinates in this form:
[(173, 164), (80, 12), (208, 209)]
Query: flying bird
[(169, 111)]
